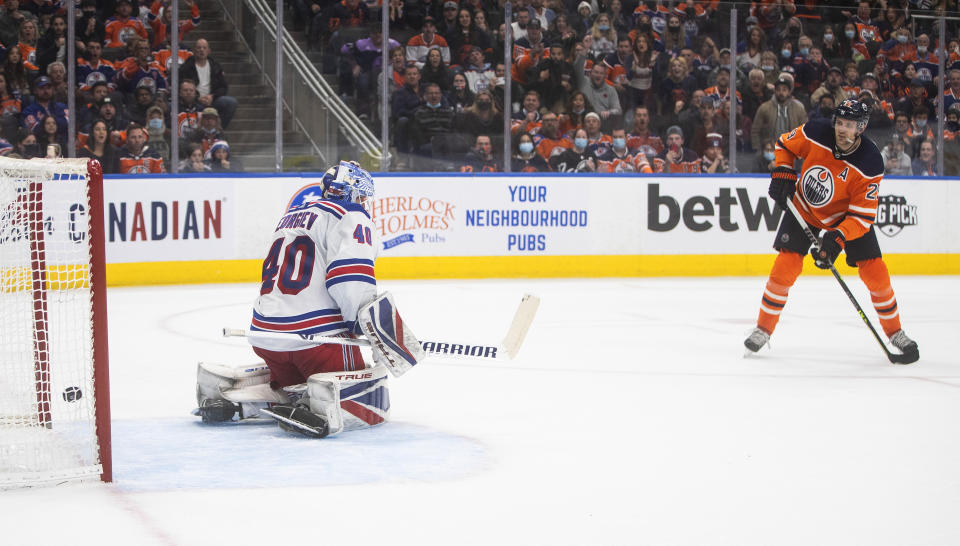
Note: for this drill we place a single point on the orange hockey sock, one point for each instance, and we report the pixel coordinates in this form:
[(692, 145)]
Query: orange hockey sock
[(786, 269), (877, 279)]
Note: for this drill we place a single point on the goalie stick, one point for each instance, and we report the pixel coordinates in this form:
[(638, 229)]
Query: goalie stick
[(505, 350), (895, 358)]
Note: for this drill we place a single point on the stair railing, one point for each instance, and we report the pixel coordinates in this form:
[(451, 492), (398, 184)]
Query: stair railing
[(315, 107)]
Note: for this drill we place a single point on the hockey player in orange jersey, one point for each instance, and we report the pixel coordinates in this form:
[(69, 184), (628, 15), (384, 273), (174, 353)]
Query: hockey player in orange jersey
[(836, 192)]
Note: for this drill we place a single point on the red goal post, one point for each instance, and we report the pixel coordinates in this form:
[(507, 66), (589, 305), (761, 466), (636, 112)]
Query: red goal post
[(54, 381)]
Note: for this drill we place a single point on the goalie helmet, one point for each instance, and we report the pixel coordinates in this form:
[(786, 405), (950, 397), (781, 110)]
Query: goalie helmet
[(347, 182)]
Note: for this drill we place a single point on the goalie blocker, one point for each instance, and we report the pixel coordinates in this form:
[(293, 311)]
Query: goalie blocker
[(393, 344)]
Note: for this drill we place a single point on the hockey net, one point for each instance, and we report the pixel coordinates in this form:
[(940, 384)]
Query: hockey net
[(54, 402)]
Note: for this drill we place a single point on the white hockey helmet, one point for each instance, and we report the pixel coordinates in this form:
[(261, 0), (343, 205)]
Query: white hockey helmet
[(347, 182)]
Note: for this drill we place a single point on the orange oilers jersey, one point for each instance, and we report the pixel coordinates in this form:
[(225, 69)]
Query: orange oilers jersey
[(834, 192)]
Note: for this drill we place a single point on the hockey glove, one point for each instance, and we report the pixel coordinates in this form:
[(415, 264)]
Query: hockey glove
[(783, 184), (830, 247)]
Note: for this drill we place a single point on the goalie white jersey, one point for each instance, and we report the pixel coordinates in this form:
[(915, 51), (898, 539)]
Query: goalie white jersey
[(317, 274)]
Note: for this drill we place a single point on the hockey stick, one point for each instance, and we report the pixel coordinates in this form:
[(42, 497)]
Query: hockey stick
[(505, 350), (895, 358)]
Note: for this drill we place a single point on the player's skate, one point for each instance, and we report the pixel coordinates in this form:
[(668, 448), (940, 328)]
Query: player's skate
[(757, 339), (299, 419), (214, 410), (907, 346)]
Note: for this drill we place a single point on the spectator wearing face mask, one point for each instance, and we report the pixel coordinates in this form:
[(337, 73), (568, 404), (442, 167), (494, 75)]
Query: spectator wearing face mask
[(926, 63), (577, 158), (525, 157), (824, 109), (157, 133), (919, 130), (765, 160), (482, 118), (618, 158)]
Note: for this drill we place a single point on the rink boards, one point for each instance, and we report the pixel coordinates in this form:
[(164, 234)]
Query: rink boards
[(184, 229)]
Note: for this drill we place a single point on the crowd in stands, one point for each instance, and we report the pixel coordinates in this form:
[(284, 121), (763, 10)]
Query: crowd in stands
[(596, 85), (122, 73), (641, 86)]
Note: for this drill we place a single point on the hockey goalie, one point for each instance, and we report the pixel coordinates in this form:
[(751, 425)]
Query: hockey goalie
[(318, 279)]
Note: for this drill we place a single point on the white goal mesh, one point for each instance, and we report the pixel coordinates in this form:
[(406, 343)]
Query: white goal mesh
[(48, 396)]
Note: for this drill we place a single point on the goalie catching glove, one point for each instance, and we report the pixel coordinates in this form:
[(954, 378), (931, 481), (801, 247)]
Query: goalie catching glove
[(394, 345)]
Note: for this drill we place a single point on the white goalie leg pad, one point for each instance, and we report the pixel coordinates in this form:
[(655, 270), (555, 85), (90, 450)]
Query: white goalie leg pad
[(247, 386), (350, 400), (392, 343)]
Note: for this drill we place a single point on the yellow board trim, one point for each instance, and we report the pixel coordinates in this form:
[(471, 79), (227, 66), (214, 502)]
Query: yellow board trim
[(478, 267)]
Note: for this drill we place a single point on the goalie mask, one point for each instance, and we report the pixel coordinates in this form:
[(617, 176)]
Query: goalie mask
[(347, 182)]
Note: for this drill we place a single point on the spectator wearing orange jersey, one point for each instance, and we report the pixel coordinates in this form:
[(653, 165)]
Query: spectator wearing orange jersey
[(121, 27), (28, 43), (160, 22), (641, 140), (137, 157), (528, 119), (549, 141), (573, 114), (618, 158), (675, 158)]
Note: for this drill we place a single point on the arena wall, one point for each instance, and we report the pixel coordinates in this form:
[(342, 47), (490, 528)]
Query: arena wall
[(202, 229)]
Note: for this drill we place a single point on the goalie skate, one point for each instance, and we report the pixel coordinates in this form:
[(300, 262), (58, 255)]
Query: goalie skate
[(299, 420), (216, 410)]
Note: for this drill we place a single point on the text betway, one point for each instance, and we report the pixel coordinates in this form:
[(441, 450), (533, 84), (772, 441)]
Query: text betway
[(664, 212)]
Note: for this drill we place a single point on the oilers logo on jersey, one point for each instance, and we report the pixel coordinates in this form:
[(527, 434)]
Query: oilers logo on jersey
[(817, 186)]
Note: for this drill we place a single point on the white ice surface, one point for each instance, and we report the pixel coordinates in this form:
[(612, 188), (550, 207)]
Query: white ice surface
[(630, 417)]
